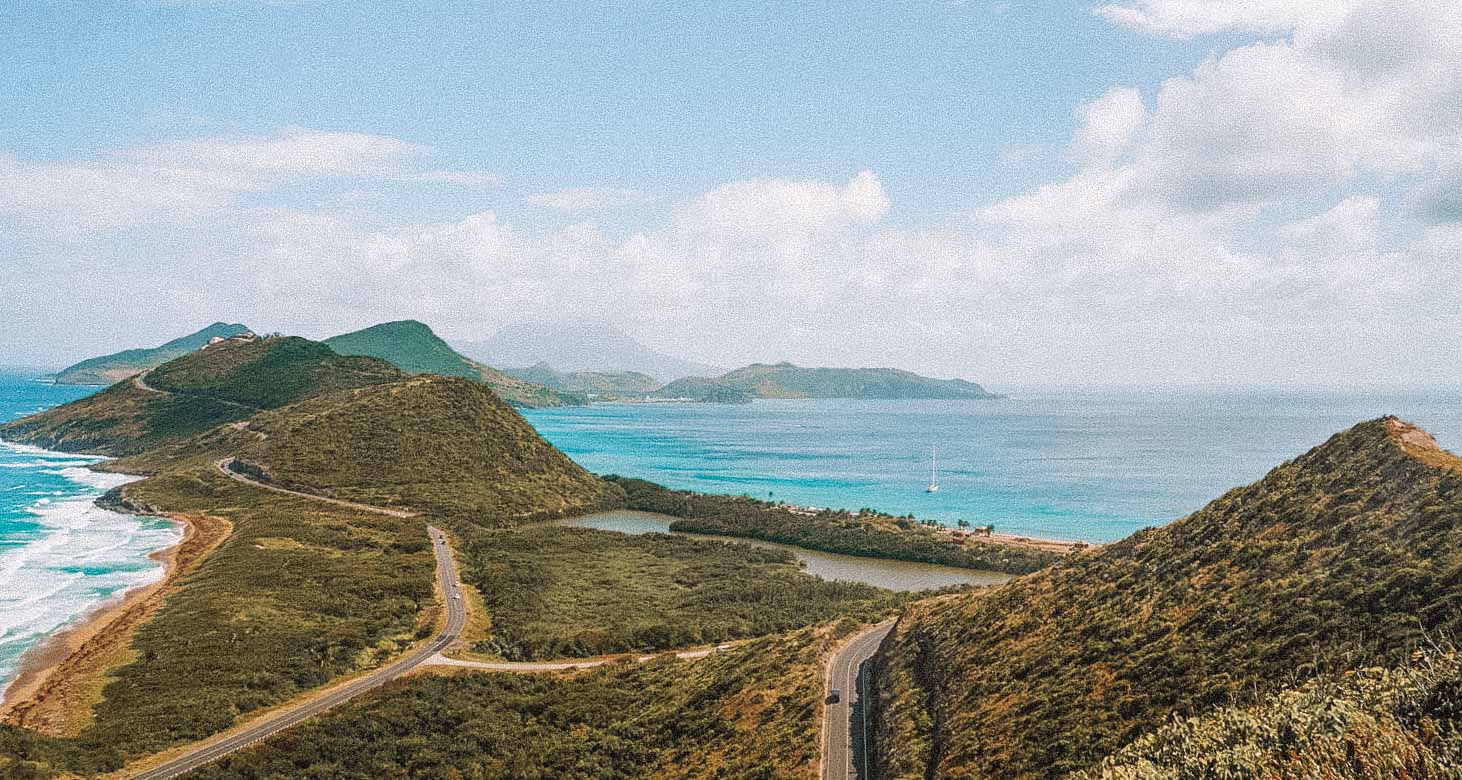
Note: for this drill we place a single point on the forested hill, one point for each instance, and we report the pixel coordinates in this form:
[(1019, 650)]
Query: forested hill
[(412, 347), (1348, 555), (115, 367), (784, 380), (222, 383)]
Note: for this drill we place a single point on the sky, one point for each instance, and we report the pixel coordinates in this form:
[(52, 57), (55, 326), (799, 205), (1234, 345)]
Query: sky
[(1189, 192)]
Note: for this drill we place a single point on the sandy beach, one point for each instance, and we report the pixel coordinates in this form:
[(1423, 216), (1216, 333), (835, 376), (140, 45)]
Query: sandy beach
[(61, 677)]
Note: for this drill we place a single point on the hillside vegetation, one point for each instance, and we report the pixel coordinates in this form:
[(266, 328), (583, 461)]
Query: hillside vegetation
[(554, 591), (412, 347), (430, 444), (1373, 723), (784, 380), (1350, 553), (224, 383), (115, 367), (867, 533), (751, 712)]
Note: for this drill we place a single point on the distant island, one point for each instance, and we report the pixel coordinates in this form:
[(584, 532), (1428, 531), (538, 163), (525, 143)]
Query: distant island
[(106, 369), (785, 380), (596, 385)]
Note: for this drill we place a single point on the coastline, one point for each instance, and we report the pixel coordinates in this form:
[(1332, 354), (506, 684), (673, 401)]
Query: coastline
[(58, 678)]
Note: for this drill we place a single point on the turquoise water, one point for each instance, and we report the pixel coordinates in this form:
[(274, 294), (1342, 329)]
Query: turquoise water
[(1092, 466), (60, 555)]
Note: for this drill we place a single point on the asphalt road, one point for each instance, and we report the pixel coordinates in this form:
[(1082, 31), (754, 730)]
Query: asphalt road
[(269, 725), (844, 720), (226, 466)]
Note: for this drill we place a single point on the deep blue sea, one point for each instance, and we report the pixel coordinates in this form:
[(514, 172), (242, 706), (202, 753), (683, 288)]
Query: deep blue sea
[(60, 556), (1089, 465)]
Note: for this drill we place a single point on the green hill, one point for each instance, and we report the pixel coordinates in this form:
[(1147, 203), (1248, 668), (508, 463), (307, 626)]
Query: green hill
[(225, 382), (1351, 553), (107, 369), (438, 444), (785, 380), (595, 384), (412, 347)]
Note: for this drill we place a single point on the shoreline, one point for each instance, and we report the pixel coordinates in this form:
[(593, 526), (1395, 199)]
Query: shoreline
[(57, 678)]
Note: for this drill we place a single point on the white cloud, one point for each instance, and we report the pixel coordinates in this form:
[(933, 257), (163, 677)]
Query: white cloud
[(589, 198), (1190, 18), (1109, 125)]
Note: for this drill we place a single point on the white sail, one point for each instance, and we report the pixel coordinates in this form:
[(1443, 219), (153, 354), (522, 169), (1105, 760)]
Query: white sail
[(933, 470)]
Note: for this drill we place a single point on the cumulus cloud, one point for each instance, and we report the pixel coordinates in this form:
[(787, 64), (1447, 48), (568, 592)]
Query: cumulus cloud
[(1109, 125), (1190, 18)]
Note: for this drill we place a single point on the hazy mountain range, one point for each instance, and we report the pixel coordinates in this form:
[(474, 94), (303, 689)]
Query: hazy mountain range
[(579, 345)]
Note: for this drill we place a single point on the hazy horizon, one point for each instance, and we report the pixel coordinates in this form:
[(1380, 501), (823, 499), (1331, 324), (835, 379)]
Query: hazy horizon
[(1134, 193)]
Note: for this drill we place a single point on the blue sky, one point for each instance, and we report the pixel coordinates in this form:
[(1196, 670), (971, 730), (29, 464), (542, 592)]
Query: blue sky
[(672, 98), (1138, 191)]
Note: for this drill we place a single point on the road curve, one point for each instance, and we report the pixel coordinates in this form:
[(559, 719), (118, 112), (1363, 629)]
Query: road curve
[(839, 726), (269, 725), (226, 466)]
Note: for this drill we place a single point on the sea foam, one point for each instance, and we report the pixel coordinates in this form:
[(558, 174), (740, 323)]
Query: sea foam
[(62, 557)]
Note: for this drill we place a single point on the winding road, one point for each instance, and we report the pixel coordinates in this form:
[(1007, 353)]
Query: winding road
[(844, 733), (212, 749)]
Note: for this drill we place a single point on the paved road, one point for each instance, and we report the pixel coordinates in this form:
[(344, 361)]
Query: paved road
[(844, 720), (269, 725), (226, 466)]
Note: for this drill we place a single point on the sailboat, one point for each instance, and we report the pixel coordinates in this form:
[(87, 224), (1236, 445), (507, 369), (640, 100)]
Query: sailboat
[(933, 471)]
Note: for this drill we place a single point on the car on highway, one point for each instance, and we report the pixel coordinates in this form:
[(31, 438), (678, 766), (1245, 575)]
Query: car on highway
[(835, 697)]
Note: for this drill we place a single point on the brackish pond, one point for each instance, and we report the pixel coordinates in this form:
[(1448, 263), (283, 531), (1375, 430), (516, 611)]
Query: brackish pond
[(893, 575)]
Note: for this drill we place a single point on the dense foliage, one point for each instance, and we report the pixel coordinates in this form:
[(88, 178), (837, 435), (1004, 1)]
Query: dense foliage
[(1352, 551), (433, 444), (784, 380), (749, 713), (1373, 723), (554, 591), (414, 348), (867, 533), (224, 383), (106, 369)]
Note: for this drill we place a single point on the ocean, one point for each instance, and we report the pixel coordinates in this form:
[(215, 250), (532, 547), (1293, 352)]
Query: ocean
[(1074, 465), (60, 556)]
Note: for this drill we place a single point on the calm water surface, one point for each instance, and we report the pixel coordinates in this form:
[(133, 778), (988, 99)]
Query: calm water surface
[(893, 575), (1091, 466)]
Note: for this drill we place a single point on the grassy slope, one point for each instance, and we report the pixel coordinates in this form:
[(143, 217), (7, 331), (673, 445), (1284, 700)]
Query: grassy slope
[(429, 443), (868, 534), (1353, 550), (221, 384), (748, 713), (1373, 723), (627, 384), (555, 591), (107, 369), (414, 348)]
